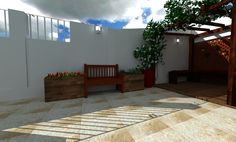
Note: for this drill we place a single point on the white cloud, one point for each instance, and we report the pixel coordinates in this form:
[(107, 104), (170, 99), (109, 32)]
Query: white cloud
[(82, 9), (19, 5), (79, 10), (55, 35), (101, 9), (135, 13), (156, 7), (135, 23), (224, 20)]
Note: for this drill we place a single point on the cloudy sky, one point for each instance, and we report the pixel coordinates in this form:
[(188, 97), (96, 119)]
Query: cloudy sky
[(110, 13)]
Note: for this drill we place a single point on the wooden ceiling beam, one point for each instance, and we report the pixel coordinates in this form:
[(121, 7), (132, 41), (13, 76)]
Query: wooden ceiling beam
[(214, 31), (231, 91), (178, 34), (198, 29), (213, 24), (216, 6), (225, 39)]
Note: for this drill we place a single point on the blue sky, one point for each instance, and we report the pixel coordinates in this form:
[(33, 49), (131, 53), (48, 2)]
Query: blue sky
[(146, 12), (64, 33), (119, 24), (117, 14)]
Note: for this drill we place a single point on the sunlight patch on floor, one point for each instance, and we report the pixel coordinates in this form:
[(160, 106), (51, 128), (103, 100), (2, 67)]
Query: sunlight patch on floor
[(82, 119)]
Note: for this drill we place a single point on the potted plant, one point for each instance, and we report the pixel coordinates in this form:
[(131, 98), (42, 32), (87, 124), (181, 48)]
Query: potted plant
[(150, 52), (61, 86), (133, 80)]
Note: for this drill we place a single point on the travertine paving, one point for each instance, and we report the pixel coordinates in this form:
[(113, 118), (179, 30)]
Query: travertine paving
[(143, 116)]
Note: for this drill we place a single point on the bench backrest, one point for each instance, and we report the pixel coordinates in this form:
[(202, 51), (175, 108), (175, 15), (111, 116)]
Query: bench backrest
[(100, 71)]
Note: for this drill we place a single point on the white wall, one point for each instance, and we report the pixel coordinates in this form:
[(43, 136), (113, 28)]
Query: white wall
[(12, 56), (123, 45), (109, 47), (25, 62), (86, 47), (175, 57)]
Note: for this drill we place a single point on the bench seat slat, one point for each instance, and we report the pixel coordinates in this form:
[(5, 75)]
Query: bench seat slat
[(104, 81), (102, 75)]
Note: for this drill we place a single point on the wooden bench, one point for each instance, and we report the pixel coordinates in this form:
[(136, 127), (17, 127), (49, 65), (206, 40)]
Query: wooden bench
[(102, 75), (173, 75)]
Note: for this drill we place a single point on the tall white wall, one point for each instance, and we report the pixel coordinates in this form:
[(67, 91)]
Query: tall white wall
[(123, 45), (25, 62), (12, 56), (175, 57), (108, 47), (85, 47)]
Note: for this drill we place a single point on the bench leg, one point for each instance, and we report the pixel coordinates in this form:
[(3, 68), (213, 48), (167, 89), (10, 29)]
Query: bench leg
[(117, 87), (85, 91), (173, 79), (120, 87)]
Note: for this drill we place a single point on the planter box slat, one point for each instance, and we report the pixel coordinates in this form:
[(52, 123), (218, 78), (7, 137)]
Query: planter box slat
[(69, 88), (133, 82)]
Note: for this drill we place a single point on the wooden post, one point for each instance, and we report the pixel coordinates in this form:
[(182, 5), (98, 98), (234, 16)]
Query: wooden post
[(85, 81), (190, 58), (191, 45), (231, 98)]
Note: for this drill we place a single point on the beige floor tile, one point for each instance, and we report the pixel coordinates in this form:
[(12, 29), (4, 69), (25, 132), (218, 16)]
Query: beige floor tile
[(166, 135), (210, 106), (121, 135), (230, 138), (226, 111), (148, 115), (146, 128), (19, 130), (196, 112), (4, 136), (43, 109), (100, 101), (4, 115), (219, 121), (22, 102), (175, 118), (196, 131)]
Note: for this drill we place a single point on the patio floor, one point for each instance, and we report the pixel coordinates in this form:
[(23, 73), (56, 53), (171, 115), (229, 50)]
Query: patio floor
[(212, 92), (142, 116)]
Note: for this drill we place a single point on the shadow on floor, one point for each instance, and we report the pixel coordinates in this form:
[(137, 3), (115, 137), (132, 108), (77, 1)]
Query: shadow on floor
[(82, 118)]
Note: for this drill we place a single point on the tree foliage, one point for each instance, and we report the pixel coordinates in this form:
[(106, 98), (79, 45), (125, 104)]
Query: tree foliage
[(179, 15), (150, 52)]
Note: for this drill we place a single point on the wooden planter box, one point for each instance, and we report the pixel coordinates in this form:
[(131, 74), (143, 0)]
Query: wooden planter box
[(69, 88), (133, 82)]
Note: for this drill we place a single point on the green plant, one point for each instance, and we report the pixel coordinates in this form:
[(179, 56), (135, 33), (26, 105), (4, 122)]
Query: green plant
[(180, 14), (63, 75), (150, 52)]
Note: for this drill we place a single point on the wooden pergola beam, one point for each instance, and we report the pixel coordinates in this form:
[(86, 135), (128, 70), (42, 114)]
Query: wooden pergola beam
[(217, 5), (231, 97), (226, 41), (214, 24), (198, 29), (214, 31), (178, 34)]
